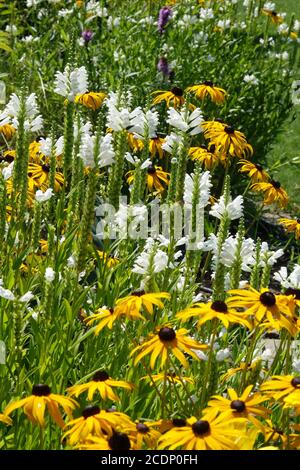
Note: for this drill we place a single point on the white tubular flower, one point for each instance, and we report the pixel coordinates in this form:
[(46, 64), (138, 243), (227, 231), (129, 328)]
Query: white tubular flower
[(106, 153), (118, 120), (205, 185), (269, 257), (26, 297), (8, 171), (233, 210), (228, 253), (6, 294), (33, 121), (49, 275), (71, 82), (144, 123), (46, 146), (250, 79), (185, 121), (291, 280), (135, 161), (223, 354), (41, 196), (171, 143)]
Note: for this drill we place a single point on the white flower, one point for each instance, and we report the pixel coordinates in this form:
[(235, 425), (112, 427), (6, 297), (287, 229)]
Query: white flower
[(292, 280), (229, 253), (206, 14), (223, 24), (185, 121), (269, 257), (6, 294), (26, 297), (33, 121), (233, 210), (49, 275), (143, 124), (118, 119), (171, 143), (142, 263), (41, 196), (296, 365), (250, 79), (135, 161), (105, 151), (223, 354), (71, 82), (270, 6), (204, 186), (71, 262), (8, 171)]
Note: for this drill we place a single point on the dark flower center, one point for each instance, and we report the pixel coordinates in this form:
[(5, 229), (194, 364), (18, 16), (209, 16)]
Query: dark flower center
[(229, 130), (268, 299), (8, 158), (203, 147), (142, 428), (219, 306), (119, 441), (201, 427), (295, 292), (296, 382), (166, 334), (177, 91), (219, 120), (212, 148), (138, 293), (259, 167), (41, 390), (298, 221), (100, 376), (274, 13), (238, 405), (276, 184), (46, 168), (151, 170), (90, 411), (208, 83), (179, 422)]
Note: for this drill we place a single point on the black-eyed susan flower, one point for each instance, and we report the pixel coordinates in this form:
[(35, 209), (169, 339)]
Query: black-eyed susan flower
[(254, 171), (213, 431), (101, 383), (108, 259), (273, 192), (167, 341), (171, 377), (39, 174), (244, 366), (118, 441), (143, 435), (174, 97), (91, 100), (8, 131), (155, 147), (5, 419), (95, 422), (165, 425), (275, 17), (8, 156), (227, 139), (244, 406), (261, 304), (155, 177), (291, 225), (281, 387), (207, 89), (132, 304), (103, 317), (205, 155), (274, 433), (135, 144), (35, 405), (217, 309)]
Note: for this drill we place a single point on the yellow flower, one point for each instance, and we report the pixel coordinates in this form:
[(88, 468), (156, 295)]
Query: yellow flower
[(227, 139), (143, 434), (8, 156), (217, 309), (118, 441), (254, 171), (155, 177), (155, 147), (282, 387), (39, 174), (135, 144), (131, 305), (95, 422), (43, 246), (174, 97), (208, 89), (163, 342), (291, 225), (276, 19), (262, 305), (35, 405), (273, 192), (274, 434), (5, 419), (105, 317), (91, 100), (211, 432), (242, 367), (205, 155), (244, 406), (109, 260), (101, 383), (170, 377), (8, 131)]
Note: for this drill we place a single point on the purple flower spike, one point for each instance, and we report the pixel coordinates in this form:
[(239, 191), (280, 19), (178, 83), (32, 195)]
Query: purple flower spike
[(163, 66), (87, 35), (165, 14)]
